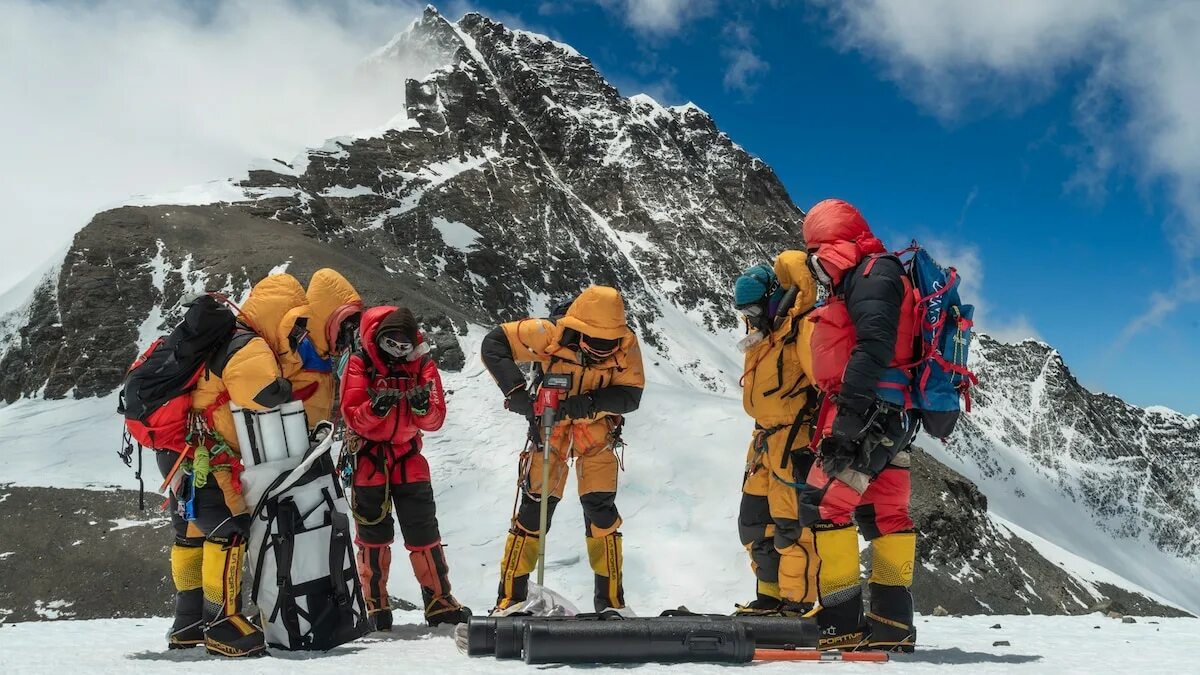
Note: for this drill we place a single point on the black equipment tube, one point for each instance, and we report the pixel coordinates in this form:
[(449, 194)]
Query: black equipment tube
[(674, 640)]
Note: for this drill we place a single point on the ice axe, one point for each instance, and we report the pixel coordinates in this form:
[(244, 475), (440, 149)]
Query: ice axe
[(553, 389)]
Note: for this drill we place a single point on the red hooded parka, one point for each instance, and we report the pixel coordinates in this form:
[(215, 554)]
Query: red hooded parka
[(398, 433)]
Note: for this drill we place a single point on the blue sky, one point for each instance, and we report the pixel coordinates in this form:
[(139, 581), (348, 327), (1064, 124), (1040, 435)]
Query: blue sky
[(1050, 148), (1014, 183)]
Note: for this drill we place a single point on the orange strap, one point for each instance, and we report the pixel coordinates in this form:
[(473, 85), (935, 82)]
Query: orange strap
[(171, 474), (815, 655)]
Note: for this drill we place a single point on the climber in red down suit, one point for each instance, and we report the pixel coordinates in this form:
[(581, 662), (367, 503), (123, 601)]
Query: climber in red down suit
[(391, 393)]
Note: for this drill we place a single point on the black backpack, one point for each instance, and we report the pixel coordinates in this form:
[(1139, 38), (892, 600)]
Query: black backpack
[(155, 396)]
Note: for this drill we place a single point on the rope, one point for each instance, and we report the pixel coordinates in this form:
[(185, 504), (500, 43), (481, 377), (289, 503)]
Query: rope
[(385, 511)]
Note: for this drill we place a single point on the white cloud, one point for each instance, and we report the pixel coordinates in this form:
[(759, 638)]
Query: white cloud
[(1160, 306), (660, 17), (966, 207), (106, 99), (744, 65), (744, 68), (1137, 109), (966, 259)]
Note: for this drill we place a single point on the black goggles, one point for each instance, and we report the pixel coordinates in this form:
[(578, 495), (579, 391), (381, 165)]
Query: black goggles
[(599, 346)]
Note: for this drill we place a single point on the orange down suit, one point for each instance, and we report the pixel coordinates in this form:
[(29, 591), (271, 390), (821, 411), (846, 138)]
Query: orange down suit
[(615, 383), (331, 299), (777, 392)]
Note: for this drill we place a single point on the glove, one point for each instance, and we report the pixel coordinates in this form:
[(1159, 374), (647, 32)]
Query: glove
[(520, 403), (578, 407), (852, 417), (833, 449), (419, 401), (384, 402), (836, 455)]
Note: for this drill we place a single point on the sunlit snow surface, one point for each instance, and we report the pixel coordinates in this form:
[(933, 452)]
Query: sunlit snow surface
[(1037, 644)]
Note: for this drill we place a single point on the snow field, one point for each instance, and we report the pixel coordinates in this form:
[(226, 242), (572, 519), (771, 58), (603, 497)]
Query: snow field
[(1038, 644)]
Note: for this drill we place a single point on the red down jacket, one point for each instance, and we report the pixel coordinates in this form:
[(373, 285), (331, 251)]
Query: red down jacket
[(399, 432), (864, 334)]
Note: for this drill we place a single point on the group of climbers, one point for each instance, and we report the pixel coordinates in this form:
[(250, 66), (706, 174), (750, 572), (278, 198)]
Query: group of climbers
[(828, 359), (830, 455), (284, 347)]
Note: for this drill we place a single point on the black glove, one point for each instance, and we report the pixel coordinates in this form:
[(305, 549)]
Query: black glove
[(853, 416), (578, 407), (836, 455), (384, 402), (520, 403), (418, 400)]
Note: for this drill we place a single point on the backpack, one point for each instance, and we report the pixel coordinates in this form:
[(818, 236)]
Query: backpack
[(941, 382), (155, 397), (301, 550)]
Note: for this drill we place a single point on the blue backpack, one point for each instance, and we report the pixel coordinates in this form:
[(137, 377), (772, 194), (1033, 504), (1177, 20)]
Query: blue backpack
[(941, 381)]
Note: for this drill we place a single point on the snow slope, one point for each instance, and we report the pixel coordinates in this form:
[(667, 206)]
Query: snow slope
[(1036, 644), (1025, 493)]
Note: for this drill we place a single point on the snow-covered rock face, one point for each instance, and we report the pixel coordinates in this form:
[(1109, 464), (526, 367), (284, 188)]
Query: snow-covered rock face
[(1111, 481), (518, 177)]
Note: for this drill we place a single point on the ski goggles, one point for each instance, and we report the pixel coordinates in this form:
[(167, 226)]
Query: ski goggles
[(599, 347), (395, 345), (753, 312), (818, 270)]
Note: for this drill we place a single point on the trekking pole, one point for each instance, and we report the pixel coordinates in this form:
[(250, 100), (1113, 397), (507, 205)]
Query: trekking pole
[(553, 388)]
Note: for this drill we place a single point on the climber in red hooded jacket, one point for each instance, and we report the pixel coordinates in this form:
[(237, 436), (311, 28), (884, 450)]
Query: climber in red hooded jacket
[(391, 394), (863, 345)]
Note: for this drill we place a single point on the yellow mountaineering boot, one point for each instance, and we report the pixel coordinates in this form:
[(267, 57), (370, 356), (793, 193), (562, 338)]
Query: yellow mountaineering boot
[(840, 617), (891, 617), (227, 632), (188, 628), (519, 561), (604, 554)]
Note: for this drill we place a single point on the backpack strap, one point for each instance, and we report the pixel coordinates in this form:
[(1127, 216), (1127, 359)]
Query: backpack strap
[(220, 358), (806, 415), (875, 258), (789, 339)]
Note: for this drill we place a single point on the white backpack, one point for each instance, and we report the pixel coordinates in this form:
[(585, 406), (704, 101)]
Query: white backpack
[(301, 552)]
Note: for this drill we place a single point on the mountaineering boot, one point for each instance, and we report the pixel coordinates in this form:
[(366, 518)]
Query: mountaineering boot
[(604, 554), (765, 603), (891, 617), (187, 630), (890, 621), (841, 625), (227, 632), (433, 575), (840, 618), (518, 562), (374, 561)]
